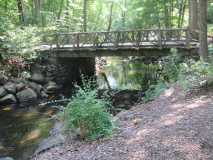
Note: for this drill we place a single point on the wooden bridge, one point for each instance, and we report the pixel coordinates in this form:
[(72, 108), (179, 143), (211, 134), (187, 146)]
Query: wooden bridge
[(146, 42)]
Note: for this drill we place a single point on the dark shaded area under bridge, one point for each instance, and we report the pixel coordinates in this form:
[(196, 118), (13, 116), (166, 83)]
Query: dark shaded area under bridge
[(149, 42)]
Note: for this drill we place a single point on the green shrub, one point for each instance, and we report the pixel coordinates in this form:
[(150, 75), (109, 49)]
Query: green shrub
[(154, 91), (168, 70), (170, 67), (5, 24), (88, 114), (196, 74)]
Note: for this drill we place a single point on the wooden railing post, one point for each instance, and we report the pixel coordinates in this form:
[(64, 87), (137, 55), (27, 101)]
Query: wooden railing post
[(95, 40), (138, 38), (159, 38), (77, 40), (188, 37), (117, 38), (57, 40)]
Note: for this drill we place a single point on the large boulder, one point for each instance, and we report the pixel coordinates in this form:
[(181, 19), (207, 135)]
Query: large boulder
[(3, 92), (26, 96), (10, 87), (38, 78), (8, 99), (51, 87), (36, 87), (44, 95), (20, 86), (3, 79)]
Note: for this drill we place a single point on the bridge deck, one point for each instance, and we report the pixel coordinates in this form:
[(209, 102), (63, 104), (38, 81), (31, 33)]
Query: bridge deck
[(118, 43)]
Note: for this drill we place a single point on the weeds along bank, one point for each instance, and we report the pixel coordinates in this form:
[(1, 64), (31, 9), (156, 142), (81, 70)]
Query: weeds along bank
[(169, 120), (189, 74), (84, 106)]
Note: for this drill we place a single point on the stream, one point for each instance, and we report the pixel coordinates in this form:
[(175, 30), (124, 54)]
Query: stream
[(124, 73), (22, 131)]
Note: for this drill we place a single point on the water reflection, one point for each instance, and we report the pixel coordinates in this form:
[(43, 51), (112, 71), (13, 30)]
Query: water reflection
[(21, 131), (127, 73)]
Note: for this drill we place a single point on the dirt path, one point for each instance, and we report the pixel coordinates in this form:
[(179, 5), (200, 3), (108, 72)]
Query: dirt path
[(169, 128)]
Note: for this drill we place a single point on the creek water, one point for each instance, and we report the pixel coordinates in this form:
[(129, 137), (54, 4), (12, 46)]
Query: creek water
[(22, 131), (125, 73)]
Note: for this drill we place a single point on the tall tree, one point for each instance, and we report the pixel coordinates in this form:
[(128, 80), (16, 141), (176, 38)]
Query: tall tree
[(110, 17), (37, 11), (85, 15), (124, 13), (193, 14), (21, 11), (182, 8), (203, 29), (60, 9)]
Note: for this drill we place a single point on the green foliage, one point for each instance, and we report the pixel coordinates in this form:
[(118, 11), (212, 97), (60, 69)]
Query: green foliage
[(154, 91), (22, 41), (5, 25), (210, 29), (169, 72), (196, 74), (88, 114), (68, 14), (210, 13), (170, 67)]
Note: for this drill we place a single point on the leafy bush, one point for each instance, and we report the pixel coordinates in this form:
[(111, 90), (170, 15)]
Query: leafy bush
[(169, 71), (196, 74), (22, 41), (5, 24), (155, 91), (170, 67), (88, 114)]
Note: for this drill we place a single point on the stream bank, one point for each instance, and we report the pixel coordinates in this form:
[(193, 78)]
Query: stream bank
[(49, 81), (171, 127)]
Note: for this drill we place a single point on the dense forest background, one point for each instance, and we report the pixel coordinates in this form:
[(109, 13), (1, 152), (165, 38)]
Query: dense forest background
[(96, 15)]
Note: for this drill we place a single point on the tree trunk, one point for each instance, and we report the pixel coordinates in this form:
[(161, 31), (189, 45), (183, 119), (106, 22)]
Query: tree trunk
[(110, 17), (171, 11), (166, 15), (183, 13), (37, 11), (193, 18), (203, 29), (60, 9), (193, 14), (85, 16), (180, 13), (124, 15), (21, 11)]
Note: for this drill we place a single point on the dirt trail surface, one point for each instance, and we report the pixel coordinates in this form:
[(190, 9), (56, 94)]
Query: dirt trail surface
[(173, 127)]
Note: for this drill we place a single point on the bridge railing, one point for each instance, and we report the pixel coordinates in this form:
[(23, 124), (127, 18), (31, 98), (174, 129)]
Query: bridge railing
[(133, 38)]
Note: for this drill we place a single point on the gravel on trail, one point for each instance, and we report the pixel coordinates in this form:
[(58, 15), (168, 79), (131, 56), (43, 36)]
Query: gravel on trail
[(173, 127)]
